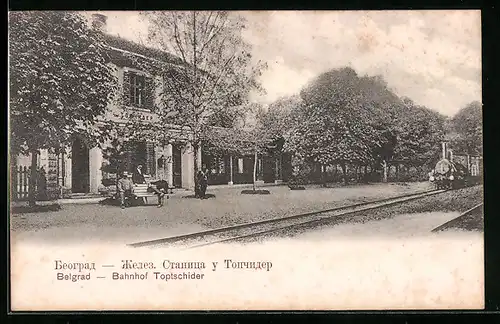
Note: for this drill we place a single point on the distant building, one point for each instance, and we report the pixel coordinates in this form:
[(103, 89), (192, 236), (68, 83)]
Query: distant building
[(473, 163), (273, 165)]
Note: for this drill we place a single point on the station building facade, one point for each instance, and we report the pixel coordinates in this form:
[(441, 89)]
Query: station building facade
[(78, 169)]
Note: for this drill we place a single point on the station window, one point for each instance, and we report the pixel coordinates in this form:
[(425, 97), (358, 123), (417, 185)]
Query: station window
[(137, 90), (222, 166), (474, 171)]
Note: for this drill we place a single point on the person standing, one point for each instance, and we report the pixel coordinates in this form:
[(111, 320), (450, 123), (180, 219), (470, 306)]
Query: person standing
[(197, 184), (124, 188), (42, 193), (203, 183)]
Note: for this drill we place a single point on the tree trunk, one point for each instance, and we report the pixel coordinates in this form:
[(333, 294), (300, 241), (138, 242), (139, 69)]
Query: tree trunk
[(323, 177), (195, 149), (384, 165), (231, 169), (344, 171), (32, 180), (255, 169)]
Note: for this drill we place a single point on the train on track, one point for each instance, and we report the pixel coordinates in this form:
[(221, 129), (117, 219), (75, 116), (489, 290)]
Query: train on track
[(450, 174)]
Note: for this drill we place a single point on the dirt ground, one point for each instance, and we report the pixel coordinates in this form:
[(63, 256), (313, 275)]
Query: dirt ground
[(75, 224)]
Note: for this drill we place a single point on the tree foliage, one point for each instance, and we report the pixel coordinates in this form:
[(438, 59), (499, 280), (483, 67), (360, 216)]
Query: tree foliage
[(336, 127), (216, 73), (263, 126), (60, 82), (420, 132), (345, 119), (115, 153), (467, 127)]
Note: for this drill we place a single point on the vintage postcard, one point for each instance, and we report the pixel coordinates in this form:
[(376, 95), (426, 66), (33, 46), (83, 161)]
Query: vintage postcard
[(245, 160)]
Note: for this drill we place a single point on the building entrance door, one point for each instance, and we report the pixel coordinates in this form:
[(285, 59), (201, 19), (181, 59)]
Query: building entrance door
[(80, 181), (269, 169), (177, 165)]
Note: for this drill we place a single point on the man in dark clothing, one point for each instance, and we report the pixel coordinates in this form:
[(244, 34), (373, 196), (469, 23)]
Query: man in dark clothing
[(162, 187), (42, 185), (203, 183), (197, 185), (137, 176)]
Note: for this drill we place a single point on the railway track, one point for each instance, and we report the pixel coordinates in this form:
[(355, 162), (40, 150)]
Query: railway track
[(255, 229), (465, 213)]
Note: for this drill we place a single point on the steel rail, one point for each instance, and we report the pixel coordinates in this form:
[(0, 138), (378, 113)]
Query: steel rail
[(228, 229), (317, 220), (467, 212)]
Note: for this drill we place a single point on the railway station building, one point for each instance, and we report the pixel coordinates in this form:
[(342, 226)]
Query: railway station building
[(78, 169)]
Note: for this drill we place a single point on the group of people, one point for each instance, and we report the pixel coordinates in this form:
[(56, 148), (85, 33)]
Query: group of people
[(125, 186)]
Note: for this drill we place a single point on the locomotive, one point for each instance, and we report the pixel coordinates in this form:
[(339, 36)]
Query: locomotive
[(449, 174)]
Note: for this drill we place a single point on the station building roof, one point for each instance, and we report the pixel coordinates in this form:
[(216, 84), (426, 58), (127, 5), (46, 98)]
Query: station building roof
[(123, 45)]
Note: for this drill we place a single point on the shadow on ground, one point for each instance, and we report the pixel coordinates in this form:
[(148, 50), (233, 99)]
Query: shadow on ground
[(35, 209), (256, 192), (131, 203), (207, 196)]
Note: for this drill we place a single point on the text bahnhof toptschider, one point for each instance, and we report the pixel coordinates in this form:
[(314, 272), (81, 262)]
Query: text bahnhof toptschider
[(165, 270)]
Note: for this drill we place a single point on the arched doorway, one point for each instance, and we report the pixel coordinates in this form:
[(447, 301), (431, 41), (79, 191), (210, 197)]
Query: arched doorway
[(80, 179)]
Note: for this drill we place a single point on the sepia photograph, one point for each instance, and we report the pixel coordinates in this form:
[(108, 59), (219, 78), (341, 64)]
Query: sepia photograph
[(245, 160)]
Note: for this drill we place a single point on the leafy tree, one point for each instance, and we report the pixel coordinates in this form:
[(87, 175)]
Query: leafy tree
[(468, 129), (215, 73), (421, 130), (278, 117), (385, 111), (269, 128), (60, 82), (357, 121), (115, 153), (336, 126)]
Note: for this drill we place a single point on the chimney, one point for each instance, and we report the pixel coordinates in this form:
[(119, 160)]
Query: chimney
[(99, 21), (444, 150)]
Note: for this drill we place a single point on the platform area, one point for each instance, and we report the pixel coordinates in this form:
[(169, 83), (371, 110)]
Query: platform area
[(181, 214)]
